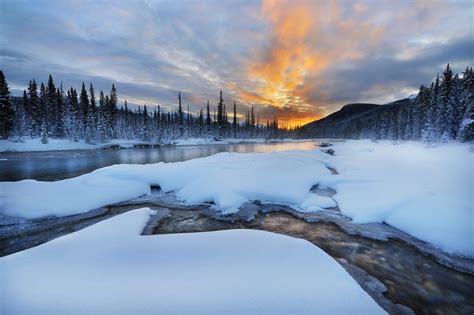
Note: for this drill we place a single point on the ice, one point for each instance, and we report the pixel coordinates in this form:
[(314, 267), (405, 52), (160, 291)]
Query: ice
[(109, 268)]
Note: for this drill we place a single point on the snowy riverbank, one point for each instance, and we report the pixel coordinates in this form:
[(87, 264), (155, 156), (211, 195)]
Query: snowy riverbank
[(235, 271), (426, 192), (35, 145)]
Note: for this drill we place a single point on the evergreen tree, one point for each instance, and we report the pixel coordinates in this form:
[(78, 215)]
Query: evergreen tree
[(102, 124), (84, 108), (180, 117), (234, 121), (145, 136), (208, 119), (445, 118), (112, 112), (43, 107), (35, 108), (50, 107), (220, 116), (6, 108), (59, 114)]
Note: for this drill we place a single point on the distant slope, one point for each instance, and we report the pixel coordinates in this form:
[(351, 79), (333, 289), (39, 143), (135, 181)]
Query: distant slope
[(352, 120)]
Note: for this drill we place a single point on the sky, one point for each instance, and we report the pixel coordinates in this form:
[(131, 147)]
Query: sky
[(295, 60)]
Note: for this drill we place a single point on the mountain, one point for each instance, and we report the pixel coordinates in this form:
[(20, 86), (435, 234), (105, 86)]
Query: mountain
[(346, 122)]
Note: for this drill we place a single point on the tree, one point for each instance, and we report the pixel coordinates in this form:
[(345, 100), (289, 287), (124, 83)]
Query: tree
[(145, 136), (208, 119), (6, 108), (220, 116), (234, 121), (20, 121), (112, 112), (180, 117), (102, 119), (59, 114), (35, 108), (50, 107), (83, 108), (445, 118)]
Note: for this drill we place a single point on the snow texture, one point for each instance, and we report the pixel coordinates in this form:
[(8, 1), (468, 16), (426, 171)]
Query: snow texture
[(424, 191), (109, 268)]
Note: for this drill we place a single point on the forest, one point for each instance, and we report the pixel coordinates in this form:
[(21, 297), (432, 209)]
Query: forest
[(440, 112), (48, 111)]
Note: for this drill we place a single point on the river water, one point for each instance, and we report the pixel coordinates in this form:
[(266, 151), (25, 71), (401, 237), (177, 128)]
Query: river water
[(56, 165)]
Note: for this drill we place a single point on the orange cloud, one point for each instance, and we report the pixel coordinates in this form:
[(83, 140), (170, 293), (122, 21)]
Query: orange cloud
[(306, 38)]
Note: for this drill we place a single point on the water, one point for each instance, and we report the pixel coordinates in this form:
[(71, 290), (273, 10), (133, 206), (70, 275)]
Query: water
[(56, 165)]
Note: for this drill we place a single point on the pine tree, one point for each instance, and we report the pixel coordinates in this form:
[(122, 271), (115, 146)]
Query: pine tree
[(208, 119), (83, 108), (59, 113), (50, 107), (20, 127), (44, 132), (6, 108), (43, 106), (102, 123), (466, 127), (35, 107), (445, 118), (112, 112), (234, 121), (93, 104), (145, 135), (220, 116), (180, 117)]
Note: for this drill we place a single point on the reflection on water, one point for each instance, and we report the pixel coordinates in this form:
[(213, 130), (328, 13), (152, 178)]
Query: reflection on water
[(64, 164)]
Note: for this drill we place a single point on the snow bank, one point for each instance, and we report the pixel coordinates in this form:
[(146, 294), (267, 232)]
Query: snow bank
[(31, 145), (109, 268), (426, 192)]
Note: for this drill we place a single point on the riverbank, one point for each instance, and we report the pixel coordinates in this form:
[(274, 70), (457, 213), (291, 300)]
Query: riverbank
[(423, 191), (398, 271), (35, 145)]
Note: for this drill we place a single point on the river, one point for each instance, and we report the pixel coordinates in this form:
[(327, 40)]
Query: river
[(56, 165)]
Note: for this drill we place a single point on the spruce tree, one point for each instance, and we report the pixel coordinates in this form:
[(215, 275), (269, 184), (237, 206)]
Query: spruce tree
[(6, 108), (208, 119), (83, 108), (59, 113), (445, 106), (180, 117), (220, 116), (102, 119), (112, 112), (50, 107), (234, 121), (145, 135), (35, 109)]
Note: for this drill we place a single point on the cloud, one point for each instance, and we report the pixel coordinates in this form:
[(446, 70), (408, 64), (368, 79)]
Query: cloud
[(298, 60)]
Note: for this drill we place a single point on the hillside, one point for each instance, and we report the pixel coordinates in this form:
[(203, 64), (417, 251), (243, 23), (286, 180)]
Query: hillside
[(357, 120)]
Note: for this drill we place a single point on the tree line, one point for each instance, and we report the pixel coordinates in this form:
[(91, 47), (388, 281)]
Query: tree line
[(440, 112), (47, 111)]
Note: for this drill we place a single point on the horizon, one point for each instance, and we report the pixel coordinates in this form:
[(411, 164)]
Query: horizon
[(296, 62)]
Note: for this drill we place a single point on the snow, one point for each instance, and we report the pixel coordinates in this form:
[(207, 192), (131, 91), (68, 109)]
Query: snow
[(27, 145), (424, 191), (32, 145), (108, 268)]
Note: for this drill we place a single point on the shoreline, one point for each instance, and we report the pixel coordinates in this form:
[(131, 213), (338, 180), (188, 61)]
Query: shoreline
[(35, 145)]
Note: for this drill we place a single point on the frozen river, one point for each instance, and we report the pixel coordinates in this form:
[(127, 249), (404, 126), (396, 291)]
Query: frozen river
[(55, 165)]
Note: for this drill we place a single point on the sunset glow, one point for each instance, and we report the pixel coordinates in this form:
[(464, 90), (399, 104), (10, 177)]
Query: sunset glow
[(294, 60)]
